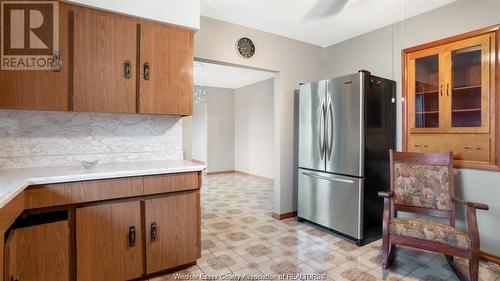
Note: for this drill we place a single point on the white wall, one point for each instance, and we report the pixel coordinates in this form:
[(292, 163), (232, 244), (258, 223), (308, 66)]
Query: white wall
[(380, 52), (200, 132), (194, 133), (179, 12), (187, 137), (295, 62), (254, 129), (220, 129)]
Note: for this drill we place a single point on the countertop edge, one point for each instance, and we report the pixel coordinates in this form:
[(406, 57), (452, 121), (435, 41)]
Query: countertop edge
[(110, 175), (20, 184)]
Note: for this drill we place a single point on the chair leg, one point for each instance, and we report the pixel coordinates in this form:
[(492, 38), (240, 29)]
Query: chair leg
[(385, 253), (461, 276), (474, 267), (388, 254)]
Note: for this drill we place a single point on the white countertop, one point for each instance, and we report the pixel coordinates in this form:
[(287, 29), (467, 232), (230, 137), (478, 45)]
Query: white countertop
[(14, 181)]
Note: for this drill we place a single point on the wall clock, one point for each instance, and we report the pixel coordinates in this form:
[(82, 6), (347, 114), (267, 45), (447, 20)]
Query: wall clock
[(245, 47)]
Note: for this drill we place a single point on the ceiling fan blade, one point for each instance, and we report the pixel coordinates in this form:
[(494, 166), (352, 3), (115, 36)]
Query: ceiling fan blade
[(325, 8)]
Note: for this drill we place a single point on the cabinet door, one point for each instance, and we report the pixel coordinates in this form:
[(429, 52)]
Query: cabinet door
[(39, 89), (38, 253), (105, 245), (104, 48), (173, 231), (468, 84), (166, 55), (425, 91)]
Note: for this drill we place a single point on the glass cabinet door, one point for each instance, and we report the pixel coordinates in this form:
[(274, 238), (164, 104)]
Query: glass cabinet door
[(468, 88), (425, 92)]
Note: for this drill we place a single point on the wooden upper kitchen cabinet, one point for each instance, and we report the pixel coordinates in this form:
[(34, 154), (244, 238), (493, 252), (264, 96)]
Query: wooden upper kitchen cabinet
[(39, 89), (105, 52), (38, 253), (172, 231), (110, 63), (166, 69), (108, 242), (450, 87)]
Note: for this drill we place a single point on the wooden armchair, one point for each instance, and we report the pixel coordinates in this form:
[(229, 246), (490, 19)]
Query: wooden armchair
[(423, 183)]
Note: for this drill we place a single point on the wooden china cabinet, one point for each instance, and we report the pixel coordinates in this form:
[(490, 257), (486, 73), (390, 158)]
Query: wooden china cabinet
[(450, 103)]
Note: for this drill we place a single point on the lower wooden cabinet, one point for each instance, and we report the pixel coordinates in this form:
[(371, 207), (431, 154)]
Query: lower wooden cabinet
[(38, 253), (109, 237), (102, 230), (108, 242), (173, 231)]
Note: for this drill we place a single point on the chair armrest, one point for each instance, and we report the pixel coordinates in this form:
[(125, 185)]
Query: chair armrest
[(385, 194), (472, 226), (474, 205)]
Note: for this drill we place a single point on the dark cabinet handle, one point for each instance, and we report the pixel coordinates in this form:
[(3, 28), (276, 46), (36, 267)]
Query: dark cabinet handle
[(131, 236), (147, 71), (127, 69), (154, 232), (448, 89), (421, 145), (471, 148)]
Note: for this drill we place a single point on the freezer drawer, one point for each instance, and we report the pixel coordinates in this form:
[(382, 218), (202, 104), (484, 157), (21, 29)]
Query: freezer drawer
[(332, 201)]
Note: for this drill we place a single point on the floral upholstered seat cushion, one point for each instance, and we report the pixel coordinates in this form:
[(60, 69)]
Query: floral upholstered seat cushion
[(425, 186), (430, 231)]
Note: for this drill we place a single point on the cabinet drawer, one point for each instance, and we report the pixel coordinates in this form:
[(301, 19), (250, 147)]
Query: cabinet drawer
[(427, 143), (473, 148), (170, 183), (464, 146), (86, 191)]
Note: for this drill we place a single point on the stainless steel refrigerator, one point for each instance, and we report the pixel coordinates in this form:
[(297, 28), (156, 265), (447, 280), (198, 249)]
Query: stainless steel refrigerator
[(346, 129)]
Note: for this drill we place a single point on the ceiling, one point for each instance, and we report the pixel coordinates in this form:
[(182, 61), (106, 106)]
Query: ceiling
[(223, 76), (305, 20)]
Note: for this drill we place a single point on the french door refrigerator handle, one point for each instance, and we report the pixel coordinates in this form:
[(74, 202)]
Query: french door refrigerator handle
[(331, 129), (327, 178), (321, 128)]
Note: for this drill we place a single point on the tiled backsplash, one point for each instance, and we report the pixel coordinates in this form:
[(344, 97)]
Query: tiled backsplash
[(35, 138)]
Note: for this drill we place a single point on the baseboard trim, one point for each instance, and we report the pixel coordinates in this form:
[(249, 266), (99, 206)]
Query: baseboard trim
[(221, 172), (252, 175), (490, 257), (284, 216), (237, 172), (198, 161)]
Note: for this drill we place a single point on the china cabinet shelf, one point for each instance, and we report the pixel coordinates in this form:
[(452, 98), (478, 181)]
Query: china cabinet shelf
[(427, 92), (462, 88), (428, 112), (466, 110)]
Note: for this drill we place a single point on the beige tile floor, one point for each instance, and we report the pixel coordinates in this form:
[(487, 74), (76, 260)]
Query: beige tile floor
[(239, 237)]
